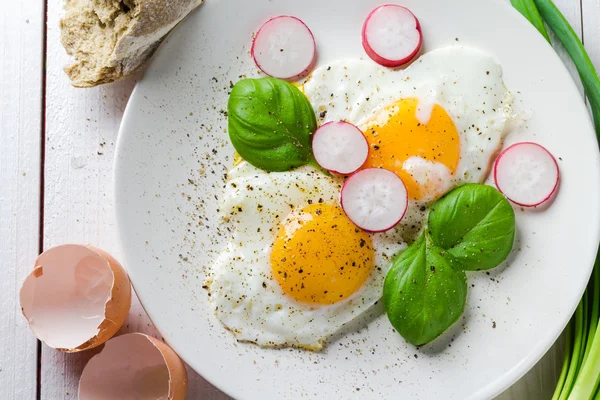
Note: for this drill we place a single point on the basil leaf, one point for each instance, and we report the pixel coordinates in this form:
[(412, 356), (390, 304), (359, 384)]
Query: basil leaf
[(476, 224), (270, 124), (471, 228), (423, 293)]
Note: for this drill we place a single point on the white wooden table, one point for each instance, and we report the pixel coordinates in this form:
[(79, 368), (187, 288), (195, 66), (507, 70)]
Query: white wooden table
[(56, 152)]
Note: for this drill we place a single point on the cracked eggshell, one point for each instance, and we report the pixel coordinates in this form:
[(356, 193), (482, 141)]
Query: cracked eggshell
[(76, 298), (131, 367)]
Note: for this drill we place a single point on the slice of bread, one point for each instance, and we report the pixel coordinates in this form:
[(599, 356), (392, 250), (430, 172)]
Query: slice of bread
[(110, 39)]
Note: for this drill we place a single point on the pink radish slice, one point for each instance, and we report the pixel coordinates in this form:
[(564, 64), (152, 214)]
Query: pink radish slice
[(340, 147), (527, 174), (391, 35), (284, 48), (374, 199)]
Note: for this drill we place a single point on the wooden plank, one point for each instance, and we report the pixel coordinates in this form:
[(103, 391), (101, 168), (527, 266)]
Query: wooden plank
[(21, 44), (21, 60), (591, 29), (81, 131)]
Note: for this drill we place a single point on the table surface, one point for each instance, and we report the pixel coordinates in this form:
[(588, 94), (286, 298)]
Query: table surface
[(56, 152)]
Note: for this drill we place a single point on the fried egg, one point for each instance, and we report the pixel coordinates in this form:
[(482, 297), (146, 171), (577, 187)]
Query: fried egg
[(295, 268), (437, 124)]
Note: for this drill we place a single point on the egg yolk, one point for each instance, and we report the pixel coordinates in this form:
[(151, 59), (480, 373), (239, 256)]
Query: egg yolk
[(320, 256), (396, 134)]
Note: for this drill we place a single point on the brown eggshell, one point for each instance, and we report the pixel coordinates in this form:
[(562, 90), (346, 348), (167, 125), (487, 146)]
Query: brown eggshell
[(134, 366), (76, 298)]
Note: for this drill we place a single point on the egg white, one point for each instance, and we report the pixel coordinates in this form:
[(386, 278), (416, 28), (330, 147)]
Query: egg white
[(466, 82), (248, 301)]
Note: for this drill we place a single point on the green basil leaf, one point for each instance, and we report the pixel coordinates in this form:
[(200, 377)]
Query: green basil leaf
[(424, 293), (271, 123), (476, 224)]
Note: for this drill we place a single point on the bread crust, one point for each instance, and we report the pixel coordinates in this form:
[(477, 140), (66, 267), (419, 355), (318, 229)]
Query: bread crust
[(111, 39)]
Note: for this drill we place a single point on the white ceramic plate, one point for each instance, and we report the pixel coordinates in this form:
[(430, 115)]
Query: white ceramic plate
[(173, 152)]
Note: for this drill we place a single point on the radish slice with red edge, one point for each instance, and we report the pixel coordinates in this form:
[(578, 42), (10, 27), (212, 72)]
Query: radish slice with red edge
[(284, 48), (374, 199), (527, 174), (340, 147), (391, 35)]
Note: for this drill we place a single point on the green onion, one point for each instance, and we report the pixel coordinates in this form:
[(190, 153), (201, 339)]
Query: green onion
[(580, 374), (530, 11)]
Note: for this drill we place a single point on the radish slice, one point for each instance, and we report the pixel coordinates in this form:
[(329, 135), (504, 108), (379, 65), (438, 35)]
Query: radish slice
[(340, 147), (284, 48), (375, 199), (527, 174), (391, 35)]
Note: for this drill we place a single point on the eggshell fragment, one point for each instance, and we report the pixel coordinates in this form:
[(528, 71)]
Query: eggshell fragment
[(134, 366), (76, 298)]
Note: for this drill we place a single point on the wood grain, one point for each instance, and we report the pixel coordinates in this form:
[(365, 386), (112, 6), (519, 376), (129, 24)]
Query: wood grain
[(21, 60), (81, 130), (591, 29)]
